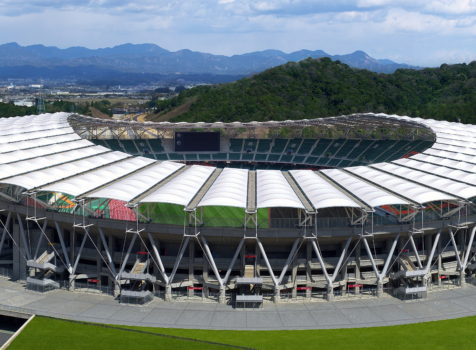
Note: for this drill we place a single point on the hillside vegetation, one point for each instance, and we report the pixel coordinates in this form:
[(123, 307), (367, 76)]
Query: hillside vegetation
[(318, 88)]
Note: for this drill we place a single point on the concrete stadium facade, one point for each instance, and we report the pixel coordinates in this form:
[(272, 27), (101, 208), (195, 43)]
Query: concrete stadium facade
[(401, 227)]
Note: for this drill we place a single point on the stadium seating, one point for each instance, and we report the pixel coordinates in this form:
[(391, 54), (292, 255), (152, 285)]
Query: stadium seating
[(316, 152)]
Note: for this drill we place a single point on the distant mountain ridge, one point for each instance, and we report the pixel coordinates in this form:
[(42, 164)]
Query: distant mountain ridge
[(153, 59)]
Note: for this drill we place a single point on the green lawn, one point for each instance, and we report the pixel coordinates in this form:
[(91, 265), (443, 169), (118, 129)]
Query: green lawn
[(45, 333), (212, 216)]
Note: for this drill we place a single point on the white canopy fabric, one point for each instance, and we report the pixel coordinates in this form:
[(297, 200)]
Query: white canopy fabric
[(44, 176), (182, 188), (455, 164), (230, 189), (370, 194), (130, 187), (455, 188), (320, 192), (35, 135), (274, 191), (408, 189), (43, 151), (35, 152), (93, 179), (30, 144), (440, 170), (27, 166)]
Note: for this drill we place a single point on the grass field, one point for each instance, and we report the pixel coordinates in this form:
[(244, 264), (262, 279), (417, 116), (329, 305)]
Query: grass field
[(212, 216), (46, 333)]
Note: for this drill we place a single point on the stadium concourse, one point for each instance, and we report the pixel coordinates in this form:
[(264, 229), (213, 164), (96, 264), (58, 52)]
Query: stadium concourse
[(79, 214)]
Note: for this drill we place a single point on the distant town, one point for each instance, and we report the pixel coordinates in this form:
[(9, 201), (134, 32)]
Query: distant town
[(120, 102)]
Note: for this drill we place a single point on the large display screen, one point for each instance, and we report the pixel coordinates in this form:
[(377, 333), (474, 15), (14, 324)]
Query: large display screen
[(197, 142)]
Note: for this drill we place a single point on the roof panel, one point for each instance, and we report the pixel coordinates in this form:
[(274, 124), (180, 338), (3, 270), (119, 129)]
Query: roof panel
[(20, 167), (229, 189), (44, 176), (274, 191), (95, 178), (181, 189), (30, 144), (320, 192), (35, 134), (18, 155), (368, 193), (136, 184), (415, 192), (449, 186)]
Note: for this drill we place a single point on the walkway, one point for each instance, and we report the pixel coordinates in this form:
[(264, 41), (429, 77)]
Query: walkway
[(444, 304)]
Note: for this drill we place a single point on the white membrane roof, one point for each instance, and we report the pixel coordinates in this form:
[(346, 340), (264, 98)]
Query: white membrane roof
[(43, 152), (406, 188), (368, 193), (274, 191), (130, 187), (320, 192), (182, 188), (44, 176), (93, 179), (229, 189)]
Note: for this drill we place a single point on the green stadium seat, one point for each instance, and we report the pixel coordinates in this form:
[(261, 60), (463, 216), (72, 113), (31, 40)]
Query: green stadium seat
[(236, 145), (176, 156), (235, 156), (321, 146), (344, 163), (129, 146), (219, 156), (156, 145), (346, 148), (261, 157), (204, 156), (115, 145), (263, 146), (323, 161), (298, 159), (101, 143), (279, 145), (249, 145), (333, 162), (273, 157), (311, 160), (190, 156), (286, 158), (306, 146), (162, 156), (359, 149), (293, 145), (247, 156), (378, 148)]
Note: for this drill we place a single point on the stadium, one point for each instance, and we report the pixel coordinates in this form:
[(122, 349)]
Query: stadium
[(238, 213)]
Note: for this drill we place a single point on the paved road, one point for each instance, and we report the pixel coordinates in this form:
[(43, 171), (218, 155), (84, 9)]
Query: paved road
[(445, 304)]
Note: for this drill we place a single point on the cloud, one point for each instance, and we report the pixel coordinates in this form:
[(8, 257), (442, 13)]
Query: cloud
[(416, 31)]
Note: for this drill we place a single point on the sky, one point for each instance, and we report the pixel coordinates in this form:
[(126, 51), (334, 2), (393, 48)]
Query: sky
[(419, 32)]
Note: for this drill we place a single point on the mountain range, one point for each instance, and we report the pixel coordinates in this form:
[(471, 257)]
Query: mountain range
[(150, 61)]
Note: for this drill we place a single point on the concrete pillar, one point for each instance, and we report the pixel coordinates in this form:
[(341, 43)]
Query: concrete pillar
[(222, 295), (19, 262), (277, 295), (205, 277), (98, 260), (168, 292), (440, 264), (462, 278), (191, 263), (330, 292), (293, 277), (357, 267), (379, 288)]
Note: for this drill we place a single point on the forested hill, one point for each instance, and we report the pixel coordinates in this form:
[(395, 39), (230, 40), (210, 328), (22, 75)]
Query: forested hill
[(318, 88)]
